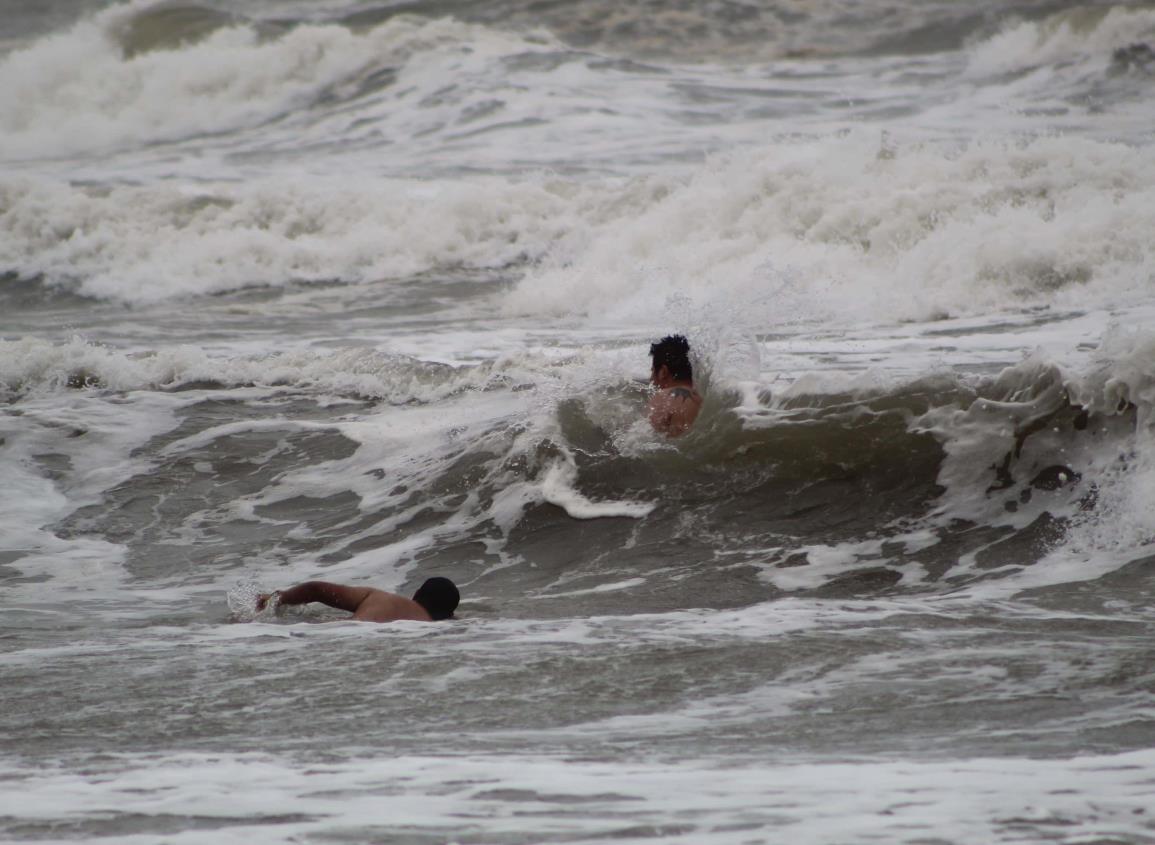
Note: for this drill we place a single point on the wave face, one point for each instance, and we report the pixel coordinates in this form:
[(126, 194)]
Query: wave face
[(364, 291), (933, 485)]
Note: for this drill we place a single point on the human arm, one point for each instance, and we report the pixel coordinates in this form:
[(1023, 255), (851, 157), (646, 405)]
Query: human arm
[(334, 595)]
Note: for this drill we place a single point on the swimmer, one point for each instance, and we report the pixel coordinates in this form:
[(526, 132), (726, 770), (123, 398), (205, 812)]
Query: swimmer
[(675, 406), (436, 599)]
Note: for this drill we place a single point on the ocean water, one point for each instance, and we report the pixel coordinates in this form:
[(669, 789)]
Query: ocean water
[(363, 291)]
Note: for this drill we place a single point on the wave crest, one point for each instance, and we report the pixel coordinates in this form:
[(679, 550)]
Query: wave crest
[(31, 366), (136, 74), (1081, 34)]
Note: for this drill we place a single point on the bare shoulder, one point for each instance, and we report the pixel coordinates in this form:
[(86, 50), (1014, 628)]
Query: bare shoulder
[(382, 606), (683, 394), (673, 398), (673, 410)]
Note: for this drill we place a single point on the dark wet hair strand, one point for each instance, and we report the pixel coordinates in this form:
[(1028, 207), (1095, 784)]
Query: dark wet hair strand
[(673, 351)]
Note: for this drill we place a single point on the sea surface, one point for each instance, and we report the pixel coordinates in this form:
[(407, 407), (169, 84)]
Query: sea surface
[(363, 291)]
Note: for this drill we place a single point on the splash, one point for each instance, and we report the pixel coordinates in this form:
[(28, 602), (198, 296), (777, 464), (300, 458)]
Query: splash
[(558, 488), (242, 601)]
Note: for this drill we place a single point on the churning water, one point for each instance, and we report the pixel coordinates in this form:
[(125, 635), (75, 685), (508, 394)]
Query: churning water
[(363, 291)]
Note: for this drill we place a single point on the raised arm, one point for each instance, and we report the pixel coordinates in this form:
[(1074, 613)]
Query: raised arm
[(334, 595)]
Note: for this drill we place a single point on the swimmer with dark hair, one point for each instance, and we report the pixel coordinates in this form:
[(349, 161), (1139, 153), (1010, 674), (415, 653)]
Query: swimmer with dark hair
[(675, 406), (436, 599)]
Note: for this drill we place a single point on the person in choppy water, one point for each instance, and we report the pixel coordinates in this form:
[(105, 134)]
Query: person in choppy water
[(436, 599), (675, 406)]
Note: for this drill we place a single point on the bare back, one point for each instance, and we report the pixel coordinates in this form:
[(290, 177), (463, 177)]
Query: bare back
[(367, 604), (674, 409), (380, 606)]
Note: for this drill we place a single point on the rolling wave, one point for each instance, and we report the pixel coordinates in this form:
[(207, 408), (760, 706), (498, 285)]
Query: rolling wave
[(413, 83), (843, 229), (1034, 477)]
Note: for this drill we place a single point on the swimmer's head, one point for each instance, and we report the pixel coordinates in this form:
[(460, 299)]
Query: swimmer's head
[(673, 353), (439, 597)]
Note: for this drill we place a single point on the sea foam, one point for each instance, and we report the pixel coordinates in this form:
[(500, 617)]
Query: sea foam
[(841, 229), (80, 91), (845, 230), (33, 366), (1084, 34), (149, 244)]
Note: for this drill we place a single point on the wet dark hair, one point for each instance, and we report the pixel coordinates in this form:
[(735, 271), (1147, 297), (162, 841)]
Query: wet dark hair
[(673, 351), (438, 596)]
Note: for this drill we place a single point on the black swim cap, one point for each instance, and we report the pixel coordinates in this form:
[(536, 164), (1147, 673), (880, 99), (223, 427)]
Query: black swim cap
[(439, 597)]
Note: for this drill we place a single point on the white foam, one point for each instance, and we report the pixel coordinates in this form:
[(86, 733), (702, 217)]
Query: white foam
[(1084, 33), (96, 439), (557, 488), (1111, 464), (42, 367), (1121, 526), (612, 587), (150, 244), (844, 227), (830, 230), (77, 92), (532, 797)]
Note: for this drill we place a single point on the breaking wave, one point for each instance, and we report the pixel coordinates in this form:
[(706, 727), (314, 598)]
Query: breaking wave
[(845, 229), (1037, 476)]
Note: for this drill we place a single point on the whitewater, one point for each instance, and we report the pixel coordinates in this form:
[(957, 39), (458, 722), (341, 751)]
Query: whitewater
[(363, 291)]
